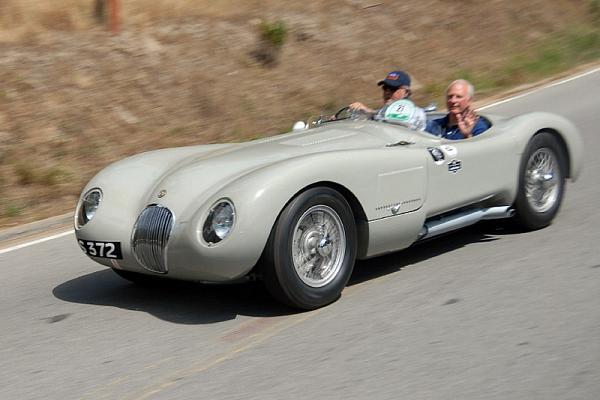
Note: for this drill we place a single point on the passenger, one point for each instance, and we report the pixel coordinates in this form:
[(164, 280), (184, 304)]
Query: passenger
[(461, 121), (395, 86)]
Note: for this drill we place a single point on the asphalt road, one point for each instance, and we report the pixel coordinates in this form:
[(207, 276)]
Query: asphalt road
[(489, 313)]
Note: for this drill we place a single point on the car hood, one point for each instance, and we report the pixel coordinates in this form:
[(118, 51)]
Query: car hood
[(219, 167), (185, 177)]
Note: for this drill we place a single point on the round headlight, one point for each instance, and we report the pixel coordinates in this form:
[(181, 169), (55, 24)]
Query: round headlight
[(88, 207), (219, 223)]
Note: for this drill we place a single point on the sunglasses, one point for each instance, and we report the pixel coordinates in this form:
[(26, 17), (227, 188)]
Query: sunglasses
[(390, 88)]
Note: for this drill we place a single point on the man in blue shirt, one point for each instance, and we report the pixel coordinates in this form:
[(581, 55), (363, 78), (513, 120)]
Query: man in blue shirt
[(461, 121)]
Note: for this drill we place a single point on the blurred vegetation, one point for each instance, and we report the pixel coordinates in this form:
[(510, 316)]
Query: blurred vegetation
[(12, 210), (26, 174), (55, 176), (595, 10), (272, 36), (274, 33), (556, 53), (29, 174)]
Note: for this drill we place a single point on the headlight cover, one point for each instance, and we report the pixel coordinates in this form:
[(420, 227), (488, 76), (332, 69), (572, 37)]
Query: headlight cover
[(220, 221), (88, 206)]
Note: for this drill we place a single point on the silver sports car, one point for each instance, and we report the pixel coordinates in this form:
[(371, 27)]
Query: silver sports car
[(296, 210)]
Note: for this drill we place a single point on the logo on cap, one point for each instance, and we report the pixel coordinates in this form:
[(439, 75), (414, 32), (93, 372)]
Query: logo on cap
[(393, 76)]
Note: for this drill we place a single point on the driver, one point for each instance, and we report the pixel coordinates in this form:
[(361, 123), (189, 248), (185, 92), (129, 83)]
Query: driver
[(395, 86), (403, 112)]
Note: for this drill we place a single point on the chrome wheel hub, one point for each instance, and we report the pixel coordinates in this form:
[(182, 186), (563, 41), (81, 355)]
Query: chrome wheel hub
[(318, 246), (542, 178)]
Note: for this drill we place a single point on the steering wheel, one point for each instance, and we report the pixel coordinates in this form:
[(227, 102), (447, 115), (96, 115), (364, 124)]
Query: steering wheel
[(336, 116), (352, 114)]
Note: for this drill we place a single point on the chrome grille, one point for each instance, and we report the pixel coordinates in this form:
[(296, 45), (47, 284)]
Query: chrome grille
[(150, 237)]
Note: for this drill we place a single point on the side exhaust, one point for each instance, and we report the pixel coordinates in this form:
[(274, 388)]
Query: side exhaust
[(463, 219)]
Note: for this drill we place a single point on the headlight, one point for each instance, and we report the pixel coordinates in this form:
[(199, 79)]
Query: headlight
[(88, 206), (219, 223)]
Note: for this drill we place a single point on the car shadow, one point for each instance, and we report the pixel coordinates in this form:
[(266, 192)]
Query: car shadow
[(174, 301), (485, 231), (196, 303)]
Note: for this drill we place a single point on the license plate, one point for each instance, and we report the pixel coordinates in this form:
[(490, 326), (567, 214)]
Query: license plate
[(95, 248)]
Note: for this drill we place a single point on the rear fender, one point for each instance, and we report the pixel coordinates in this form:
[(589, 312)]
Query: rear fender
[(524, 127)]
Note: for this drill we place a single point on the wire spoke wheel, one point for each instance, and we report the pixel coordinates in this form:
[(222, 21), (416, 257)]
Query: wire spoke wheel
[(541, 180), (311, 251), (318, 246)]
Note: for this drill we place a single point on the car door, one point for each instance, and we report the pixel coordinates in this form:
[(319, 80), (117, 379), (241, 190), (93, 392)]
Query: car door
[(462, 172)]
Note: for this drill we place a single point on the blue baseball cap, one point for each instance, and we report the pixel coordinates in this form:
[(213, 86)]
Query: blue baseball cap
[(396, 79)]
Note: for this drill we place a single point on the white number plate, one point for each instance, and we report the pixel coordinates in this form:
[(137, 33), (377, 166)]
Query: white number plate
[(94, 248)]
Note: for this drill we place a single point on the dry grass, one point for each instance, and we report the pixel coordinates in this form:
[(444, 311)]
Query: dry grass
[(74, 98), (19, 19)]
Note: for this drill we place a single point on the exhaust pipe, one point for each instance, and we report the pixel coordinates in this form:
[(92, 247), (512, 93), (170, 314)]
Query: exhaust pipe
[(463, 219)]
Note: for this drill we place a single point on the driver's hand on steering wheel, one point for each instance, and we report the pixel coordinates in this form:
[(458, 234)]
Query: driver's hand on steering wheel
[(360, 107)]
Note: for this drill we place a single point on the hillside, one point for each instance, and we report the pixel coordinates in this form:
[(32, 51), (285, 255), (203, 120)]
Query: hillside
[(74, 97)]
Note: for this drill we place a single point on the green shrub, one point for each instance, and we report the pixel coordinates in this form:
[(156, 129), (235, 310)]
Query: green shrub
[(272, 38), (274, 33)]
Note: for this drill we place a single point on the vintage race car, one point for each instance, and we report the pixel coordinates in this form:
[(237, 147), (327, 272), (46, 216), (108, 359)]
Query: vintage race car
[(296, 210)]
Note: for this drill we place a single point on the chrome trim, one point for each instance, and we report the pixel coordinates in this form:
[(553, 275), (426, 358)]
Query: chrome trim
[(150, 237), (207, 220), (79, 223), (463, 219)]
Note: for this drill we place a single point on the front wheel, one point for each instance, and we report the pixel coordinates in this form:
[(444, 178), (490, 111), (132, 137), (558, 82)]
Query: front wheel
[(541, 182), (311, 250)]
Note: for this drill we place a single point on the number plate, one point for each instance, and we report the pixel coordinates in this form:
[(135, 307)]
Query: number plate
[(94, 248)]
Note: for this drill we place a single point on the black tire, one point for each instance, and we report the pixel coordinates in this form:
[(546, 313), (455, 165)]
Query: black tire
[(541, 182), (329, 244)]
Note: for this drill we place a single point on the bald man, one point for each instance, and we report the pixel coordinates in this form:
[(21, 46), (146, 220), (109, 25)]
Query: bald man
[(461, 122)]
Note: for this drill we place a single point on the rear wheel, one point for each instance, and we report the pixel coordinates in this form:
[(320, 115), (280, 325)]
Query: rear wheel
[(541, 182), (311, 250)]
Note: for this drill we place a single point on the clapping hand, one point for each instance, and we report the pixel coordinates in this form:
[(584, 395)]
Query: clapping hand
[(466, 121)]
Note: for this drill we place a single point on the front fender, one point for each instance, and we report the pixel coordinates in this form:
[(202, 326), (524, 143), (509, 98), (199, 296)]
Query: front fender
[(387, 182)]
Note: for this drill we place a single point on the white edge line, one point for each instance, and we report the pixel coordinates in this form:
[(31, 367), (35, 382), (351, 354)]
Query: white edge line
[(38, 241), (59, 235), (540, 89)]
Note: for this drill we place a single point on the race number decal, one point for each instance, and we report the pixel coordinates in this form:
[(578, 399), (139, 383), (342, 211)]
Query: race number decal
[(101, 249)]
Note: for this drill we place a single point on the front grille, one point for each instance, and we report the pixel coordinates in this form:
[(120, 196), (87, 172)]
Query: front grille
[(150, 237)]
